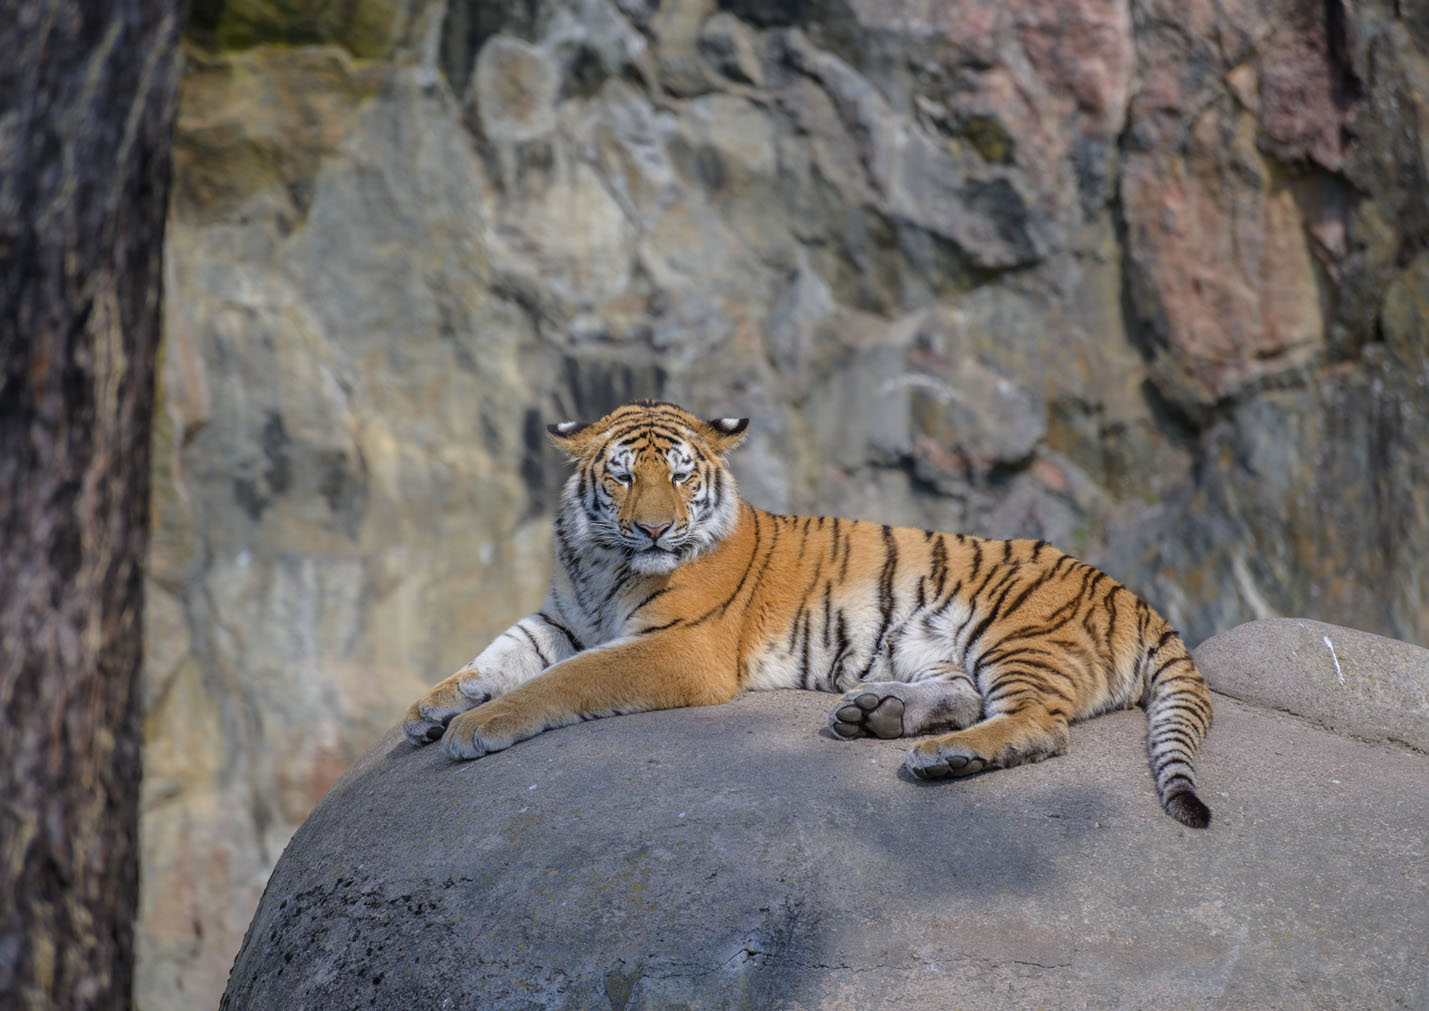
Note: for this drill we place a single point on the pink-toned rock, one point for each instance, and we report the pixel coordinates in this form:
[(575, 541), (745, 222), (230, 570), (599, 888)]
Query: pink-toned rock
[(1220, 228), (1306, 94), (1082, 49), (1228, 277)]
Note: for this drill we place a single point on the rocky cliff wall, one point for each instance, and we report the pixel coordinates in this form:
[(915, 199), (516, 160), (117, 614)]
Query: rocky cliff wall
[(1150, 280)]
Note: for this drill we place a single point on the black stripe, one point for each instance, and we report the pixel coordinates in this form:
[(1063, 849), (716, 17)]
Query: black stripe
[(1162, 669), (764, 565), (804, 678), (1022, 597), (1003, 651), (794, 628), (1014, 682), (621, 581), (754, 553), (940, 565), (723, 606), (1179, 777), (660, 628), (540, 653), (885, 598), (1166, 637), (843, 643), (627, 432), (570, 636), (1092, 597), (953, 594), (1178, 737), (1160, 766), (1010, 578), (648, 598), (828, 602), (1009, 664)]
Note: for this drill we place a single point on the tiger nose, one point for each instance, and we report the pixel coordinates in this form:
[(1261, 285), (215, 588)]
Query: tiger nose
[(653, 532)]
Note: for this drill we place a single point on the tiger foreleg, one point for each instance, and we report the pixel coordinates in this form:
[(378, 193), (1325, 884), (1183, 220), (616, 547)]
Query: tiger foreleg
[(520, 653), (627, 676), (946, 701)]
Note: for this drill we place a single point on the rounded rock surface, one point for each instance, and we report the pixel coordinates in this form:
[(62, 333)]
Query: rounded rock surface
[(741, 856)]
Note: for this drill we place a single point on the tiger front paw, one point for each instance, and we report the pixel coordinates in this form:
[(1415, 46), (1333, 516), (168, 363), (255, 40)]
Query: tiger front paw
[(429, 716), (481, 731)]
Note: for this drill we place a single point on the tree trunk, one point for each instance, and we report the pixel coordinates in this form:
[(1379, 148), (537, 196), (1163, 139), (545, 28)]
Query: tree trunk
[(87, 98)]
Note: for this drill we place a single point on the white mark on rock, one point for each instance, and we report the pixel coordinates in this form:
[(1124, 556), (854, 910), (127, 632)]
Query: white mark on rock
[(1331, 646), (531, 787), (944, 392)]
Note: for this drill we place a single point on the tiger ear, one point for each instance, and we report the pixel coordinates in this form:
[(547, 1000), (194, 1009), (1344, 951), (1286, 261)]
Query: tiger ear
[(572, 436), (723, 434)]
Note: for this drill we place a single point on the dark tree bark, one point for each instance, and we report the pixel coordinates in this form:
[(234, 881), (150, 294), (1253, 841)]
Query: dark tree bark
[(87, 99)]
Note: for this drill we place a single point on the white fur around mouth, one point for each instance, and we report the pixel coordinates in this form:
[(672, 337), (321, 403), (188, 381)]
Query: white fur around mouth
[(654, 559)]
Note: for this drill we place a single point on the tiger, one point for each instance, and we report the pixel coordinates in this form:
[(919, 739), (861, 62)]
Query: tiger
[(670, 590)]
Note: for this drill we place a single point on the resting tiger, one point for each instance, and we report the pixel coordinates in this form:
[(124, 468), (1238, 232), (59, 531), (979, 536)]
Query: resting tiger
[(670, 590)]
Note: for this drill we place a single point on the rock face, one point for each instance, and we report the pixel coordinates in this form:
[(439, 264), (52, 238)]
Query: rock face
[(1148, 280), (740, 857)]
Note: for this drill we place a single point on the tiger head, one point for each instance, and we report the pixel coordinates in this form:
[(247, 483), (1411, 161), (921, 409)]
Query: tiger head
[(650, 483)]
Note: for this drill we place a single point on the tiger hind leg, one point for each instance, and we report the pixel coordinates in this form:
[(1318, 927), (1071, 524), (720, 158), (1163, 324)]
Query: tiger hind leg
[(998, 742), (946, 701)]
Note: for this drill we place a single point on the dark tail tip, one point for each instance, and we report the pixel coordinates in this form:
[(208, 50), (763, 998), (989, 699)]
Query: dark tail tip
[(1187, 808)]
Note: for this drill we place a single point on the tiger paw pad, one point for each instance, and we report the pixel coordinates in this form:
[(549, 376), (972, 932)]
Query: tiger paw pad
[(935, 765), (868, 713)]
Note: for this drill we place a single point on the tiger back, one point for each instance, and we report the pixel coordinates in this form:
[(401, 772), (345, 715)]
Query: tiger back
[(670, 590)]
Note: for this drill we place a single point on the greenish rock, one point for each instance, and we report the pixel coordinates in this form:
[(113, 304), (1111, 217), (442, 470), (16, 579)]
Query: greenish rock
[(368, 29)]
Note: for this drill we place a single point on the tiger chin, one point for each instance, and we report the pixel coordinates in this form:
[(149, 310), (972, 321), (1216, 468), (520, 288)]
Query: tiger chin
[(670, 590)]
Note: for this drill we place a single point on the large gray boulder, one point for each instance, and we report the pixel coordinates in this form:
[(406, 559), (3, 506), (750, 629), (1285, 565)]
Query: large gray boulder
[(739, 856)]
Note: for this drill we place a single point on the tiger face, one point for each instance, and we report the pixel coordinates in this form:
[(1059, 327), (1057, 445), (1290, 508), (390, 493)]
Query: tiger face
[(650, 483)]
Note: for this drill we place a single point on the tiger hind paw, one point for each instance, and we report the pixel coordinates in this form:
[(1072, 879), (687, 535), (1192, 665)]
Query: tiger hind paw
[(944, 763), (864, 712)]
